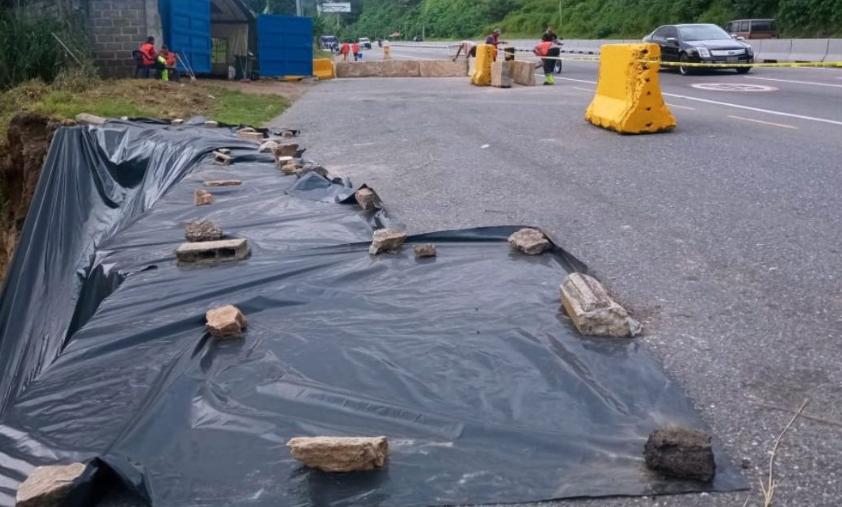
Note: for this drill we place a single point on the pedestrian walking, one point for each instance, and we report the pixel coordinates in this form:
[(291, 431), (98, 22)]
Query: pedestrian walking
[(549, 52), (346, 48), (356, 49)]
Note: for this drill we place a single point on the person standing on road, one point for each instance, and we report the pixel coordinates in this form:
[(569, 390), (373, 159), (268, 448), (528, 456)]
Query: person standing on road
[(356, 49), (549, 31), (494, 40), (548, 51), (346, 48), (468, 47)]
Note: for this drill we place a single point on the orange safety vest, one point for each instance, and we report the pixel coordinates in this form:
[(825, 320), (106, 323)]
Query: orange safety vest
[(543, 49), (147, 54)]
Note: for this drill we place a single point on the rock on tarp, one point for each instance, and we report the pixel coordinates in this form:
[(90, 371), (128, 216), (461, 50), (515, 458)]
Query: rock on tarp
[(467, 362)]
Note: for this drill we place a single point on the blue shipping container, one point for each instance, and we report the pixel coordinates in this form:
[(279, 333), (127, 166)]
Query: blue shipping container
[(285, 45), (187, 31)]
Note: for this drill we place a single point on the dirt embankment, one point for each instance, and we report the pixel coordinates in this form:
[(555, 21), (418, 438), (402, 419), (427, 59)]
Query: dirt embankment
[(21, 160)]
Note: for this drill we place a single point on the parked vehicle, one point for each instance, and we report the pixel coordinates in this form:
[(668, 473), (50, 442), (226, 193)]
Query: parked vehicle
[(418, 38), (327, 42), (753, 28), (701, 43), (365, 42)]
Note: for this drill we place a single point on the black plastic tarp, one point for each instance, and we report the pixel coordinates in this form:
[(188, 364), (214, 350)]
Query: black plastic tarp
[(466, 361)]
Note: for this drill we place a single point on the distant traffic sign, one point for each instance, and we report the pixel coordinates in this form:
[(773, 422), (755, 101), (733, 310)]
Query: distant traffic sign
[(335, 7)]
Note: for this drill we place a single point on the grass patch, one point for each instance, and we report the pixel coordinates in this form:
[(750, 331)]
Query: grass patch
[(238, 108), (74, 94)]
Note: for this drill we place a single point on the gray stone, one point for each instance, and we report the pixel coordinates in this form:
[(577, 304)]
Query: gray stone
[(386, 240), (268, 147), (48, 486), (223, 183), (211, 124), (89, 119), (681, 453), (285, 150), (365, 198), (290, 169), (530, 241), (203, 230), (222, 158), (593, 311), (309, 168), (202, 197), (285, 161), (212, 252), (252, 136), (425, 251), (226, 322), (340, 454)]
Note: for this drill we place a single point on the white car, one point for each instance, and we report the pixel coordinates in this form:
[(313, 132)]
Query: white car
[(365, 43)]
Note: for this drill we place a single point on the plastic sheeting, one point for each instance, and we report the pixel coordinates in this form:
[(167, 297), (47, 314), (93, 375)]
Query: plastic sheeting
[(466, 361)]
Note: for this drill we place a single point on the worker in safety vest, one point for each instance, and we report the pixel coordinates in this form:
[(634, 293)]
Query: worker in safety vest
[(147, 53), (494, 40), (167, 59), (356, 49), (346, 48), (549, 52), (468, 47)]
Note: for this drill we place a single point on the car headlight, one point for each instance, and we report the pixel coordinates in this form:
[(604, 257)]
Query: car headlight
[(703, 52)]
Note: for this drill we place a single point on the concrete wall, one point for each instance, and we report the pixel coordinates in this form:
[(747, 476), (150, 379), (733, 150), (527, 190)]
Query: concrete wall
[(117, 28)]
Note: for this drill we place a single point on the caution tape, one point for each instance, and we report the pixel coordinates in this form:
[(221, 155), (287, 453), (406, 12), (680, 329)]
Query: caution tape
[(743, 65)]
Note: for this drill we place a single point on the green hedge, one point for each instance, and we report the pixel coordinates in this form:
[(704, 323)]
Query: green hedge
[(29, 49)]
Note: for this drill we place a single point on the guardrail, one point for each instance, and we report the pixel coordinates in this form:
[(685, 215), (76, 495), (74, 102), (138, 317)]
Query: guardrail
[(765, 50)]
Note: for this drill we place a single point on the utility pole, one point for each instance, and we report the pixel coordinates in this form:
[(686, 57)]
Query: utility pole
[(559, 16), (298, 7)]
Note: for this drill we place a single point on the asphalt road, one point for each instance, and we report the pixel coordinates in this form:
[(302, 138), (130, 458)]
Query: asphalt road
[(723, 236)]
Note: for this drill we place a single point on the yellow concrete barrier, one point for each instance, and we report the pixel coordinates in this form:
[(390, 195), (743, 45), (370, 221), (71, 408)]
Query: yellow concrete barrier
[(628, 96), (482, 68), (323, 68)]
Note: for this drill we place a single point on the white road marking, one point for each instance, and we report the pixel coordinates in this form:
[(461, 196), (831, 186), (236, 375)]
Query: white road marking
[(755, 109), (796, 82), (575, 80), (682, 107), (733, 87), (728, 104), (589, 90), (763, 122)]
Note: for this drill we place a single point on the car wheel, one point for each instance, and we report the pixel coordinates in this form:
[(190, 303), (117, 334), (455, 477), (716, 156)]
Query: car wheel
[(743, 70), (685, 71), (557, 67)]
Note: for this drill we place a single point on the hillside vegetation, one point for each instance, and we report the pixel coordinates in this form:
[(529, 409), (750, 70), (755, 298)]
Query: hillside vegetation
[(596, 19)]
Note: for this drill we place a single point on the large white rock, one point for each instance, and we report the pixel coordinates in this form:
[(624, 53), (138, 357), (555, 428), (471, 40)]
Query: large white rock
[(593, 311), (48, 486), (386, 240), (340, 454), (530, 241), (226, 322), (89, 119)]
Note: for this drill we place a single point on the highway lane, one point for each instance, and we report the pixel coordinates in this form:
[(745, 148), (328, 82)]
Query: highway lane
[(722, 236), (776, 95)]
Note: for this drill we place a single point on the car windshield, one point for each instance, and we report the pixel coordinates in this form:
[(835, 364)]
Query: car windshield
[(702, 32)]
